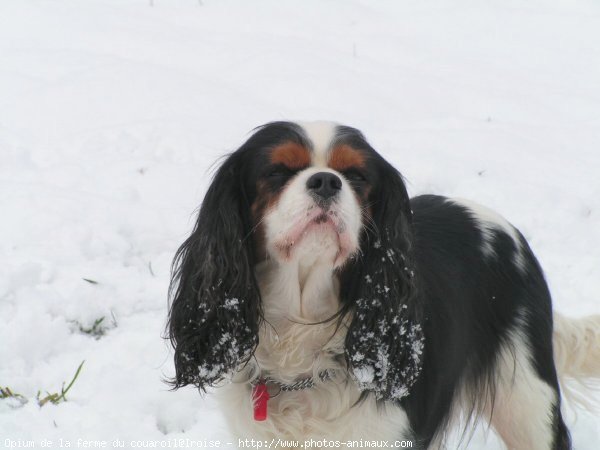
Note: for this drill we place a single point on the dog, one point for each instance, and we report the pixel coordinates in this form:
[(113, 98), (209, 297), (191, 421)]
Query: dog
[(328, 306)]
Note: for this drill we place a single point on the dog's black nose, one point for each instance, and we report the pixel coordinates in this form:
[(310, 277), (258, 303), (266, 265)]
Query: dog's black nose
[(324, 184)]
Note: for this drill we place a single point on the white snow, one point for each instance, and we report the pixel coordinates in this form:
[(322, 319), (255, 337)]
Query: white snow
[(113, 111), (364, 374), (231, 303)]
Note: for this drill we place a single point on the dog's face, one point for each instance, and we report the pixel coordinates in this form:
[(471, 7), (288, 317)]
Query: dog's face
[(311, 198), (306, 194)]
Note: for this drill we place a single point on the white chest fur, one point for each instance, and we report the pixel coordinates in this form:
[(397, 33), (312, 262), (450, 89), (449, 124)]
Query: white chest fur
[(323, 413), (292, 347)]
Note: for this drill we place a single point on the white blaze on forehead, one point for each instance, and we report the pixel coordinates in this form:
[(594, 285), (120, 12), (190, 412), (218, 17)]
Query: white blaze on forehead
[(321, 134)]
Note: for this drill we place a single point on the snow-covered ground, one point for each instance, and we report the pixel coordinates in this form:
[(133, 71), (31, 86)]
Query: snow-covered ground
[(112, 111)]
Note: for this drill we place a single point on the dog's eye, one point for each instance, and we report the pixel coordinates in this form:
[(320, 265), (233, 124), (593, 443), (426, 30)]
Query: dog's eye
[(354, 176), (279, 172)]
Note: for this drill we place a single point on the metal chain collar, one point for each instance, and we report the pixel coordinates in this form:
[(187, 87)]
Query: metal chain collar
[(305, 383)]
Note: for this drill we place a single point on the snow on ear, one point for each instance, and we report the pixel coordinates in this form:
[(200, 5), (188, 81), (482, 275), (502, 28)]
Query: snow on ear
[(214, 315), (385, 341)]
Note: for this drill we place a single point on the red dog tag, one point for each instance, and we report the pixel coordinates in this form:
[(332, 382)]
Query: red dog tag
[(260, 397)]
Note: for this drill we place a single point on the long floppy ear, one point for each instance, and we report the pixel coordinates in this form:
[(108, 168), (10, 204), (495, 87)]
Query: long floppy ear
[(384, 343), (215, 309)]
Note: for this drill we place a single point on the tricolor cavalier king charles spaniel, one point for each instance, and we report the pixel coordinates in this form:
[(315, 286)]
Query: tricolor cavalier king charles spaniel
[(326, 304)]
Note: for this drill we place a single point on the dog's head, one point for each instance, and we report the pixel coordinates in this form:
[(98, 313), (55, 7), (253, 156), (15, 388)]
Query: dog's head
[(314, 193)]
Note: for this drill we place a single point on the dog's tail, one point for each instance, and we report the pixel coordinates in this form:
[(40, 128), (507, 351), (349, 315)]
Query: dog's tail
[(577, 358)]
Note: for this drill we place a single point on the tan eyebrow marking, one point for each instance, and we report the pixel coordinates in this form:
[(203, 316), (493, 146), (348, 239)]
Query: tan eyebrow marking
[(344, 156), (292, 155)]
